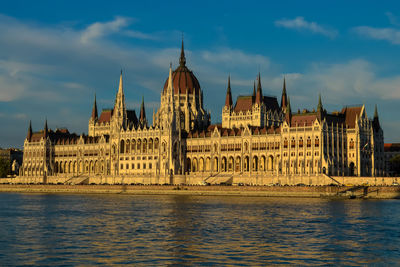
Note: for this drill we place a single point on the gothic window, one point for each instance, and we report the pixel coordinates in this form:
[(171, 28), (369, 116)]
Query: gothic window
[(316, 142), (301, 142), (351, 144), (293, 143), (308, 142), (285, 143)]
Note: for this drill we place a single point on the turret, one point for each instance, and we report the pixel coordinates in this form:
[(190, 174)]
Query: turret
[(94, 110), (228, 98), (254, 91), (259, 90), (29, 134), (320, 109), (142, 117), (284, 95), (182, 59), (375, 121), (119, 114), (45, 131), (288, 113)]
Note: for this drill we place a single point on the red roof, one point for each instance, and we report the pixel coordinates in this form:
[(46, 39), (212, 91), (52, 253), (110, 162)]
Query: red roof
[(243, 103), (183, 80), (303, 120), (105, 115), (350, 114)]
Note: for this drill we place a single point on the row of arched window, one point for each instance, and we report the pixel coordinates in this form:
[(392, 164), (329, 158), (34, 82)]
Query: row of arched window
[(138, 145), (300, 142), (230, 164)]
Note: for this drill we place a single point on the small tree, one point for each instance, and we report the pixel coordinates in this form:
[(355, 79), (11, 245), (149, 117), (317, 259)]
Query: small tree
[(4, 167), (395, 164)]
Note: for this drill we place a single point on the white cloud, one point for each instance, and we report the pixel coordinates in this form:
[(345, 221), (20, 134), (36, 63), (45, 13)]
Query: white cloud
[(100, 29), (299, 23), (391, 35)]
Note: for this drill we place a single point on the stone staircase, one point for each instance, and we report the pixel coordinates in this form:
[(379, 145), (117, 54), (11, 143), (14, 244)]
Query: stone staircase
[(80, 179)]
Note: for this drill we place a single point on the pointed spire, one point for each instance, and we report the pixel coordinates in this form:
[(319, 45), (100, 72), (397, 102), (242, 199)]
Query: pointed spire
[(45, 130), (170, 87), (254, 90), (182, 59), (375, 121), (259, 90), (121, 87), (284, 100), (288, 108), (228, 99), (319, 107), (29, 135), (288, 114), (142, 116), (94, 109)]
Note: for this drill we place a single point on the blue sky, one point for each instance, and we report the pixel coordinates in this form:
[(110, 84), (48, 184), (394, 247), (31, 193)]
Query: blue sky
[(54, 55)]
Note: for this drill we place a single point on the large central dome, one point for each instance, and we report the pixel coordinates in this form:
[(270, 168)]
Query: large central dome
[(183, 79)]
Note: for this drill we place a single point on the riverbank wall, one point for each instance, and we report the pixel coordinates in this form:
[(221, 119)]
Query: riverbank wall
[(340, 192), (204, 179)]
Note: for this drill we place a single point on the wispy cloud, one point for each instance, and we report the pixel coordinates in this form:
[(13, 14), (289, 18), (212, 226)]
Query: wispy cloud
[(100, 29), (391, 35), (300, 24), (392, 19)]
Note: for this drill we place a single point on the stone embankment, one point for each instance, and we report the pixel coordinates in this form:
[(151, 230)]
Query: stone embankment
[(376, 192)]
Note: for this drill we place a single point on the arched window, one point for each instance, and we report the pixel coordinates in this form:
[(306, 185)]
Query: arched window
[(156, 144), (308, 142), (122, 147), (285, 143), (316, 142), (301, 142), (128, 146), (351, 143), (293, 143)]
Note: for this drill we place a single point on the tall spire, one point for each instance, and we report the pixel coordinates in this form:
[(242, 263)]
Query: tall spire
[(259, 90), (94, 109), (182, 59), (288, 114), (121, 87), (254, 90), (45, 130), (142, 116), (29, 135), (284, 100), (319, 107), (375, 121), (170, 87), (228, 99)]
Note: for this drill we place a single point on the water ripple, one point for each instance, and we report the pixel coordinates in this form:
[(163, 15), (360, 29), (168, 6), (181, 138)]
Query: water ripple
[(62, 229)]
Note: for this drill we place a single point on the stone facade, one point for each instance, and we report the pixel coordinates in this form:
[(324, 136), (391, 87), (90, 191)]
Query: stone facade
[(258, 142)]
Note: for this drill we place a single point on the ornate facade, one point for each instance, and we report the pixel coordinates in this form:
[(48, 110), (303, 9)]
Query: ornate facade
[(258, 141)]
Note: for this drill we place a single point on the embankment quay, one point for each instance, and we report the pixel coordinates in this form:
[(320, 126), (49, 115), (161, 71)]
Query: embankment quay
[(368, 192)]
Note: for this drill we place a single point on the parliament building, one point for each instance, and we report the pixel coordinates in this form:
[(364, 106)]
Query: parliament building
[(260, 141)]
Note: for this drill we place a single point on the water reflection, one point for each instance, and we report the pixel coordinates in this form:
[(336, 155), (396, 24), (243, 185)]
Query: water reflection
[(193, 230)]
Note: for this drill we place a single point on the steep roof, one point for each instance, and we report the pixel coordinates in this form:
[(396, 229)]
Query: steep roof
[(350, 115), (105, 115), (243, 103)]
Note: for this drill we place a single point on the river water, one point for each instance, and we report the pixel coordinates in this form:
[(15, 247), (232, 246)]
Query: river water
[(74, 229)]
